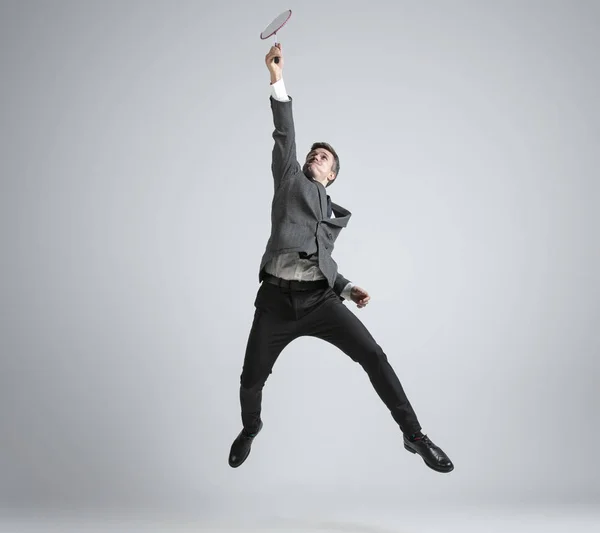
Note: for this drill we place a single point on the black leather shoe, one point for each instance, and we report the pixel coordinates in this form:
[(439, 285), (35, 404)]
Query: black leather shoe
[(240, 449), (433, 456)]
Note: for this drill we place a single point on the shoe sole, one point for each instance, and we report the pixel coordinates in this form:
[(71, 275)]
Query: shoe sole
[(433, 467)]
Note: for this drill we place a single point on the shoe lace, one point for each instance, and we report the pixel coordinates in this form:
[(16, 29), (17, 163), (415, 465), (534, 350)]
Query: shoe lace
[(425, 439)]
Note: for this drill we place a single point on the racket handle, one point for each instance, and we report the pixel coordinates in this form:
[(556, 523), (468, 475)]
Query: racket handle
[(276, 59)]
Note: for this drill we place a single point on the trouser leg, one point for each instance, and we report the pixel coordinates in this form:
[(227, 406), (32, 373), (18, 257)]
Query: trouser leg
[(268, 336), (336, 324)]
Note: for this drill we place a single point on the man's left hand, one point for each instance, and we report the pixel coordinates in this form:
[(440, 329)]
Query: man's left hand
[(359, 296)]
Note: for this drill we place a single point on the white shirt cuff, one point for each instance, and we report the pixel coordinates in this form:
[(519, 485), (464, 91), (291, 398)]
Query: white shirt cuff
[(347, 291), (278, 91)]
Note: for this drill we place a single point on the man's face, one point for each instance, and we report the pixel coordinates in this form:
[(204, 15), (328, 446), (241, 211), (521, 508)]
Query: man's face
[(319, 164)]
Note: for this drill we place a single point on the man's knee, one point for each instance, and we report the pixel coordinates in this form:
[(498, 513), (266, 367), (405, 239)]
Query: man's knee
[(251, 382), (371, 357)]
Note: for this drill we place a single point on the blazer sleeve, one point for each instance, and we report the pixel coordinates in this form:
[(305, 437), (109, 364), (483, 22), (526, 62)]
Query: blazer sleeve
[(284, 164), (339, 284)]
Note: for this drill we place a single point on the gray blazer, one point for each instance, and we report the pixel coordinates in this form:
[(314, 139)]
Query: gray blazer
[(299, 221)]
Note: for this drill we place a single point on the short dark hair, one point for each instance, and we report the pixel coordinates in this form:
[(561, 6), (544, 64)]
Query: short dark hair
[(329, 148)]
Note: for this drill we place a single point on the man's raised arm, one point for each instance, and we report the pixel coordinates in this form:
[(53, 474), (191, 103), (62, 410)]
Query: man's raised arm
[(284, 163)]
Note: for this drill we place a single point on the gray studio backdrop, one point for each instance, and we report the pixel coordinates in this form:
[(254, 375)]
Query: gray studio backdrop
[(135, 197)]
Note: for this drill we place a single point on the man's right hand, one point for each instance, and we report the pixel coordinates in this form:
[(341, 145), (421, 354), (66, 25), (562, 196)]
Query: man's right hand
[(275, 69)]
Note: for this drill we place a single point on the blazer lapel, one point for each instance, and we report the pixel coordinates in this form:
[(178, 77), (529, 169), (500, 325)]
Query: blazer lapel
[(341, 216)]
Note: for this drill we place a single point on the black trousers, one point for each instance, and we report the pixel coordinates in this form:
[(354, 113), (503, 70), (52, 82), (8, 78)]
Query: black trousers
[(283, 315)]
